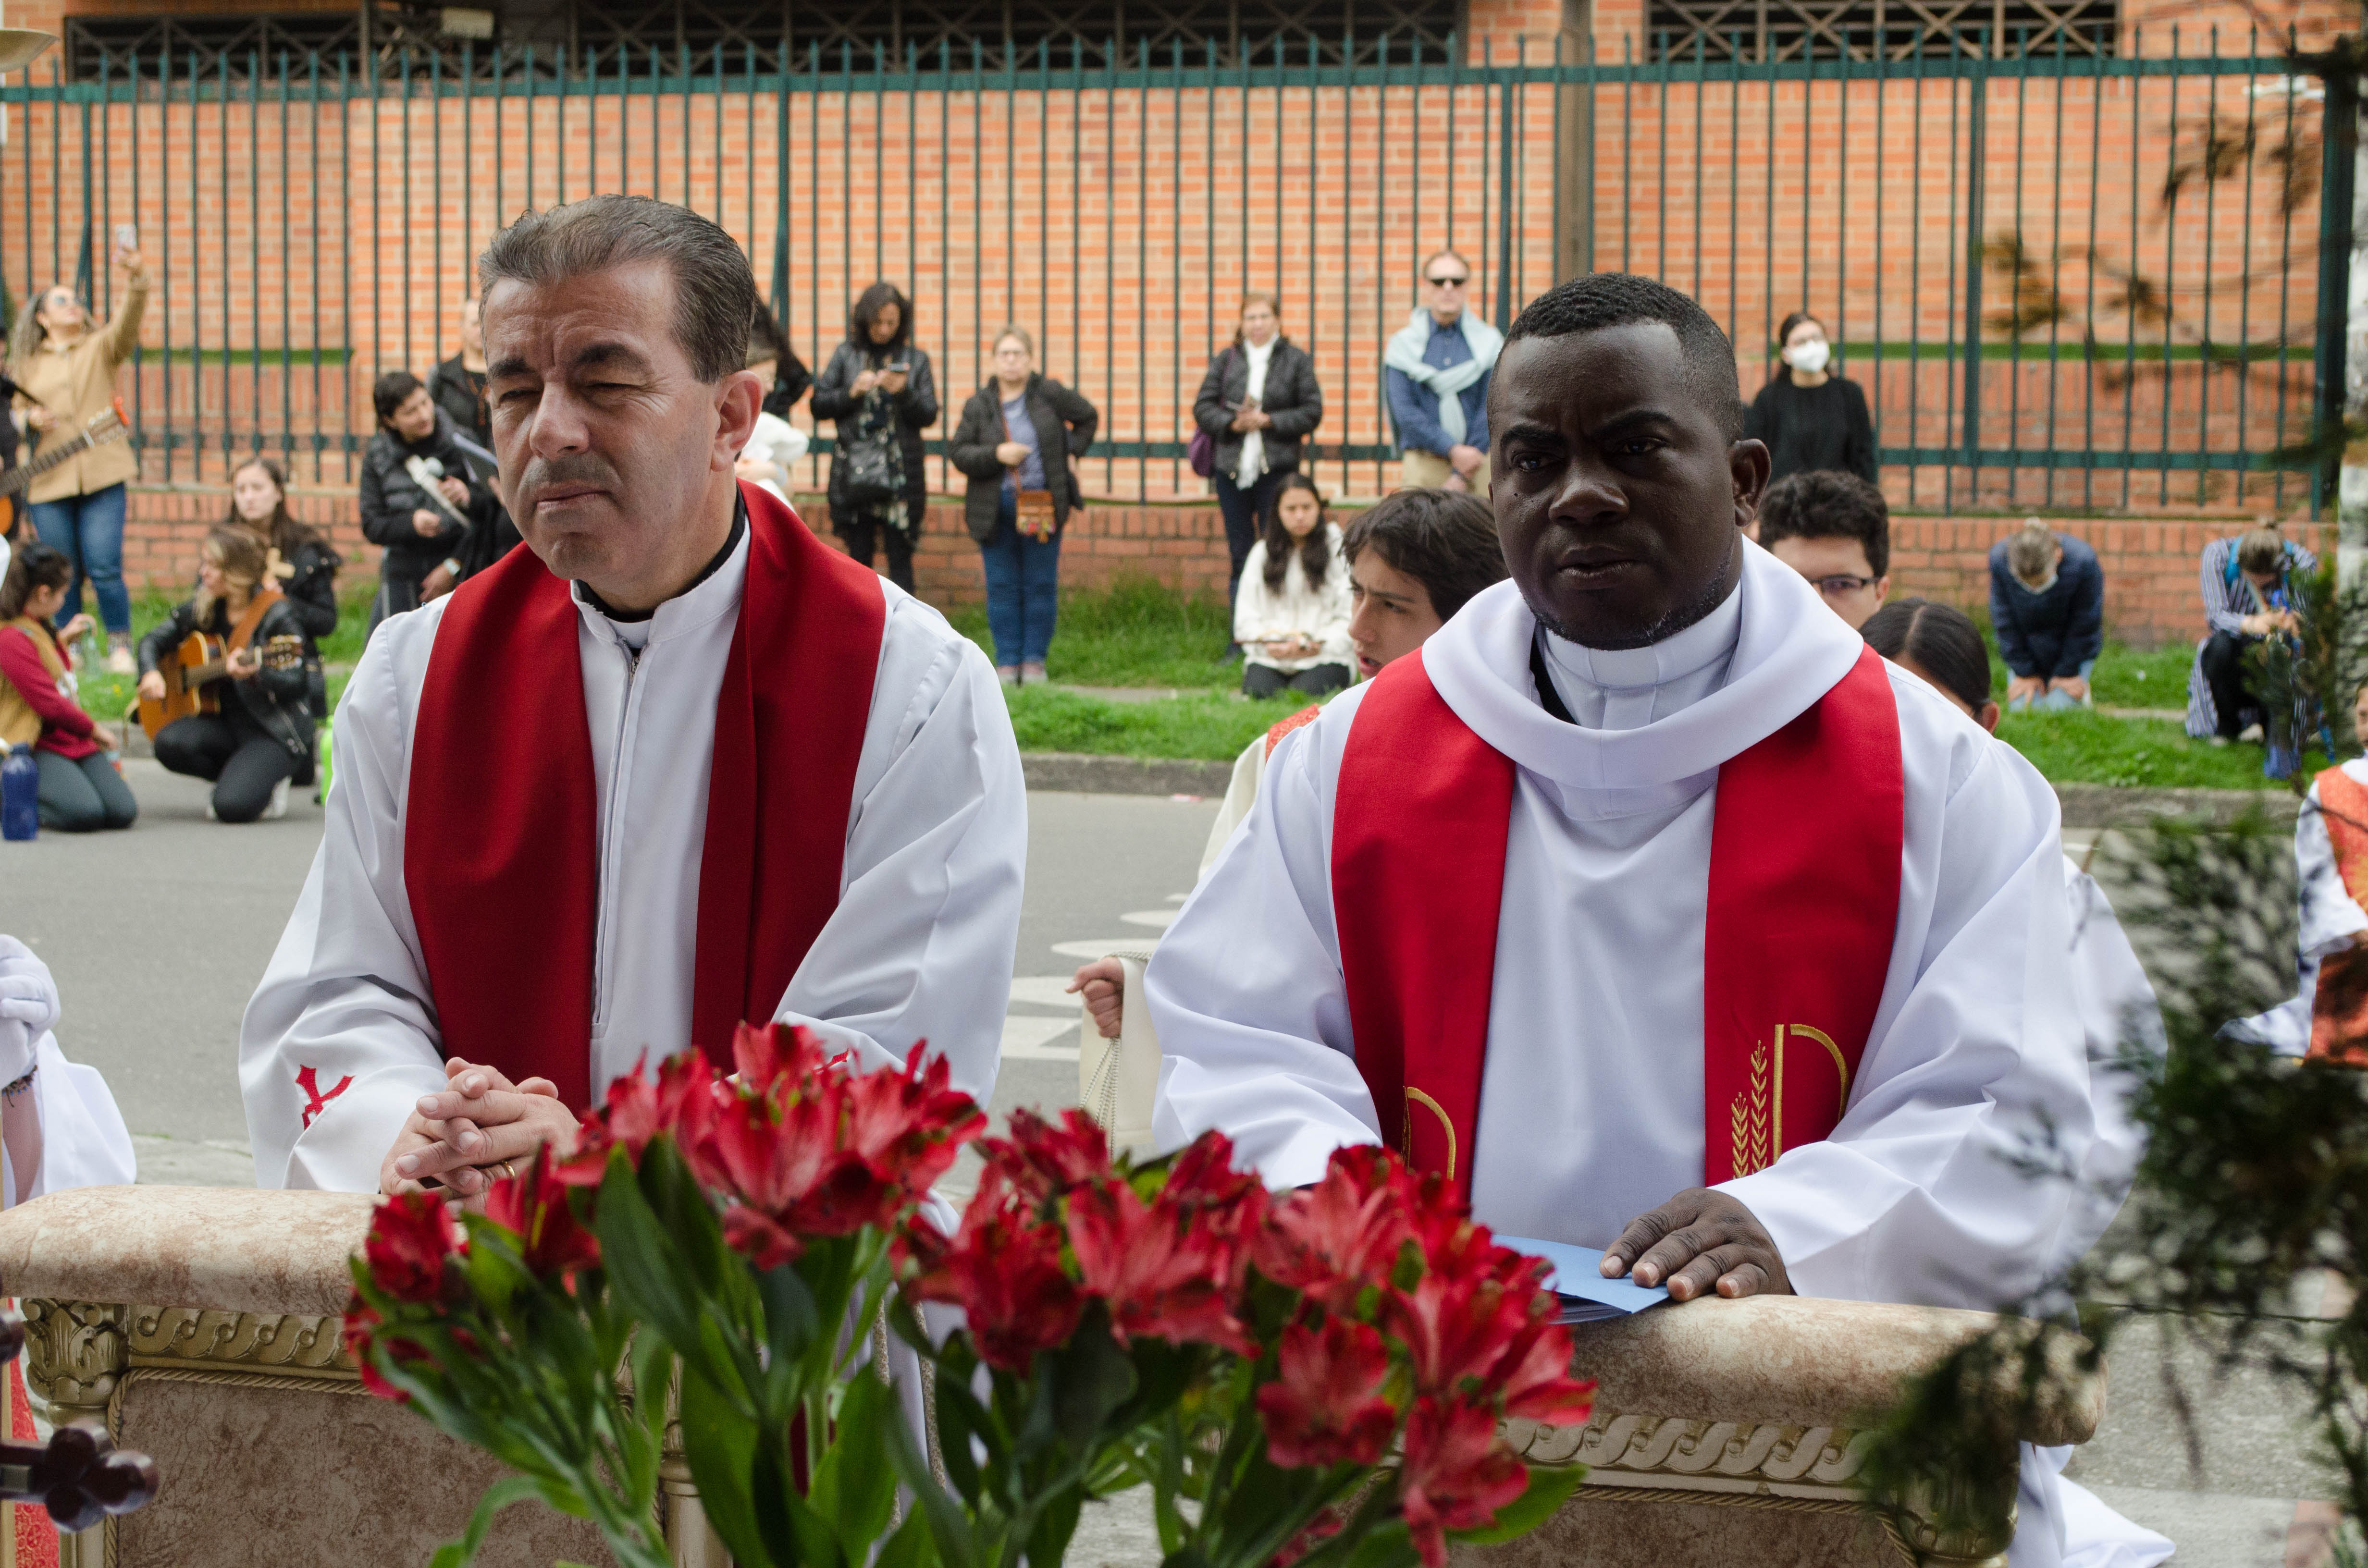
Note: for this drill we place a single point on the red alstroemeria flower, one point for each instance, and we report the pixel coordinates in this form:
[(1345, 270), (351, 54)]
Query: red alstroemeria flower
[(362, 1329), (1532, 1378), (535, 1207), (1163, 1277), (1325, 1406), (909, 1126), (1340, 1235), (636, 1110), (1046, 1159), (411, 1234), (1004, 1272), (1454, 1475), (1458, 1324)]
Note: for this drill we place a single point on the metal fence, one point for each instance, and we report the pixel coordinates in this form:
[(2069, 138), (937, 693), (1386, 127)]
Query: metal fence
[(2077, 279)]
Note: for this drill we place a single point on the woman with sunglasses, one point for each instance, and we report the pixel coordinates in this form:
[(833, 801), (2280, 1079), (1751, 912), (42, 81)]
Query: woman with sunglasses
[(1436, 371)]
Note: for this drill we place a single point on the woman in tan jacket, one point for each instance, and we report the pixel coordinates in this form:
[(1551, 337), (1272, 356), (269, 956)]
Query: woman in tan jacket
[(64, 364)]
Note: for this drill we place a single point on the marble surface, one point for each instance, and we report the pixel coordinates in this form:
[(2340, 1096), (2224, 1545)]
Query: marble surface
[(186, 1246), (1790, 1359)]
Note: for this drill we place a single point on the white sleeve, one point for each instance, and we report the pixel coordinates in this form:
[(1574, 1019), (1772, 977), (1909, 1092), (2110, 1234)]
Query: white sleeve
[(2116, 1002), (1241, 793), (83, 1140), (340, 1039), (1979, 1048), (1246, 991), (921, 944), (1253, 614), (2331, 916), (1332, 627)]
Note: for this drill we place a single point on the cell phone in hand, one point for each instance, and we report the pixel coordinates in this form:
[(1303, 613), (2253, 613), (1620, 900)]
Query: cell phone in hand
[(127, 238), (898, 368)]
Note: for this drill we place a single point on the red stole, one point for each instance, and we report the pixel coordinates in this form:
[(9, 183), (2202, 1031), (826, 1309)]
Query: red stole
[(501, 838), (2339, 1010), (1805, 842)]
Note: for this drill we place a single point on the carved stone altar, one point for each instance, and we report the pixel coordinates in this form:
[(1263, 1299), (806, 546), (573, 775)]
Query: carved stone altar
[(201, 1325)]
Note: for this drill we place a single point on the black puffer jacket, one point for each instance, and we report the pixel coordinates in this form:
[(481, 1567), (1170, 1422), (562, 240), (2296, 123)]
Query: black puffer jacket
[(389, 496), (1292, 399), (916, 410), (280, 700), (461, 393), (1065, 427)]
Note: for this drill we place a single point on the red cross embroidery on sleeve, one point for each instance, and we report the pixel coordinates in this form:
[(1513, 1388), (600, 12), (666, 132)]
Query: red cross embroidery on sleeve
[(315, 1102)]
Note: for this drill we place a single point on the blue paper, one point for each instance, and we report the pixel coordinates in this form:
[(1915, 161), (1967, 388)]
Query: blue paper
[(1577, 1278)]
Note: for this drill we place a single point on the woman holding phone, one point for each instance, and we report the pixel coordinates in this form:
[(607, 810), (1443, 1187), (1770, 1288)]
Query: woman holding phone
[(879, 389), (64, 365), (1258, 402)]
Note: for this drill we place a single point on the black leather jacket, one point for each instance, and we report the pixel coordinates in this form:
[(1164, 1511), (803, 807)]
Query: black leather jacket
[(280, 700)]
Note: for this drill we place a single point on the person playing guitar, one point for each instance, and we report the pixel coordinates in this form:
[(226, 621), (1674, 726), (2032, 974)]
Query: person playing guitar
[(250, 665)]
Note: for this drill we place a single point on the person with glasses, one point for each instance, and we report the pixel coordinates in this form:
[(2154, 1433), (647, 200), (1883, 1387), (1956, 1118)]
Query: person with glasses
[(1436, 372), (1834, 529)]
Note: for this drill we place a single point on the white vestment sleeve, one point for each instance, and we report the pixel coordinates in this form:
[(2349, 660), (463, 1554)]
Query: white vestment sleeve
[(2116, 1003), (1245, 987), (1241, 793), (343, 1001), (83, 1140), (920, 947), (1978, 1051)]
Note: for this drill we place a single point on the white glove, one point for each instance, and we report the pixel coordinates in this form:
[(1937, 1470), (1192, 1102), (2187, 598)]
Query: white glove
[(28, 1006)]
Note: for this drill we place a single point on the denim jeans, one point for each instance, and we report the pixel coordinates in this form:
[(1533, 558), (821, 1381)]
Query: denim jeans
[(1023, 580), (2056, 700), (89, 530)]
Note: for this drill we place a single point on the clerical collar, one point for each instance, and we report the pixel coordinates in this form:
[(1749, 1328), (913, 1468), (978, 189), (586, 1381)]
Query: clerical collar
[(730, 543), (1627, 689)]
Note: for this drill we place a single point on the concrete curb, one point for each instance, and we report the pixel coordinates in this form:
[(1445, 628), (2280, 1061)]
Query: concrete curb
[(1124, 775), (2085, 805)]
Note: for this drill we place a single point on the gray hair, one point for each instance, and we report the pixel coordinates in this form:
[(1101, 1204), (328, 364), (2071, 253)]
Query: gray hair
[(1013, 329), (715, 293), (2030, 552)]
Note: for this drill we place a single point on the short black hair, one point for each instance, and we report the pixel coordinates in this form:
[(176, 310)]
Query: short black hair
[(1826, 504), (1445, 539), (1940, 639), (391, 391), (1601, 300), (714, 293)]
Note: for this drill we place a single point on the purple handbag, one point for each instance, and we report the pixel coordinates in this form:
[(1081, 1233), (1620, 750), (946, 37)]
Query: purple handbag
[(1201, 450)]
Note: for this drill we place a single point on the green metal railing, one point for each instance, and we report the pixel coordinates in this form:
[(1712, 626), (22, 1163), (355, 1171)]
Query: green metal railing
[(2062, 279)]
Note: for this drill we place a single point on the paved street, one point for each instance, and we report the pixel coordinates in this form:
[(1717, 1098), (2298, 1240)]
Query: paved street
[(158, 935)]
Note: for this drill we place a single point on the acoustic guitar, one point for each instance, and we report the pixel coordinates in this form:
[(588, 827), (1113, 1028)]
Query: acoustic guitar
[(199, 661), (108, 424)]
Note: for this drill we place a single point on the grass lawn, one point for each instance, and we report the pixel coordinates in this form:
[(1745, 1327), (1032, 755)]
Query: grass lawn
[(1139, 634)]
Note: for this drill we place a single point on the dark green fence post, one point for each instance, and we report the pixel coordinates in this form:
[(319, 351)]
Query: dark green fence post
[(1977, 115), (2335, 241)]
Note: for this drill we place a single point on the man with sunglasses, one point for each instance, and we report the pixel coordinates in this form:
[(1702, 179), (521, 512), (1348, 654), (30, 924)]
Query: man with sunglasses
[(1436, 372), (1835, 529)]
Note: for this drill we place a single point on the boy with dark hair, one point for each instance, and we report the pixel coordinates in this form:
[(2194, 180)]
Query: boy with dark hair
[(1834, 529)]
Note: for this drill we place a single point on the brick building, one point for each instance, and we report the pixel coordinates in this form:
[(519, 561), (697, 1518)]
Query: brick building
[(2136, 257)]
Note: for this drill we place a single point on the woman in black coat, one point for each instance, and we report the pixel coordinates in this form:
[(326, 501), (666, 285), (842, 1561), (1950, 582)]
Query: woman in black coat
[(878, 387), (1284, 407), (1003, 453), (1813, 419)]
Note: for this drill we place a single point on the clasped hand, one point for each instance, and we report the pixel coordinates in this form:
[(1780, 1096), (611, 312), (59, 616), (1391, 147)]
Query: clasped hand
[(1700, 1240), (478, 1129)]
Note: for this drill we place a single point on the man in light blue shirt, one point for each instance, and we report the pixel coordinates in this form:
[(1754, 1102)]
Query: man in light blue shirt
[(1436, 372)]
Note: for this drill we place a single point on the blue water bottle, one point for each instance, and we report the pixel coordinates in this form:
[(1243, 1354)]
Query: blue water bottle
[(21, 794)]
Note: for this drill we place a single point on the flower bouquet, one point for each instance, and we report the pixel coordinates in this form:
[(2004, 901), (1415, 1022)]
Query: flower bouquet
[(1314, 1379)]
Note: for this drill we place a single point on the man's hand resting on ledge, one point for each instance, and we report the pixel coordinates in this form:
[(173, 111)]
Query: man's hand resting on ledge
[(480, 1127), (1698, 1241)]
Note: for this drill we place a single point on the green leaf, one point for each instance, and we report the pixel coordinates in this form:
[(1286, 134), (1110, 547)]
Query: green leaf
[(1091, 1377), (500, 1495), (855, 1486), (634, 1250), (910, 1546), (1049, 1541), (720, 1443), (1550, 1486), (949, 1525), (794, 1532), (960, 1418)]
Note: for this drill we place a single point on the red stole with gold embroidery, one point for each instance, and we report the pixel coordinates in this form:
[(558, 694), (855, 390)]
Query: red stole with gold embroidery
[(1805, 842), (501, 845)]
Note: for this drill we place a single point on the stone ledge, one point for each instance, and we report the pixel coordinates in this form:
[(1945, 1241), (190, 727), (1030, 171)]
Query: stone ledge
[(2106, 805), (1093, 775)]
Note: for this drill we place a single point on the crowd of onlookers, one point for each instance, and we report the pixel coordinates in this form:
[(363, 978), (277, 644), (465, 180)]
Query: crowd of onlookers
[(267, 583)]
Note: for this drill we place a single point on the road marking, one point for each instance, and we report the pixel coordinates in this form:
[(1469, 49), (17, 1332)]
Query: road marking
[(1157, 919), (1042, 991), (1101, 947), (1030, 1039)]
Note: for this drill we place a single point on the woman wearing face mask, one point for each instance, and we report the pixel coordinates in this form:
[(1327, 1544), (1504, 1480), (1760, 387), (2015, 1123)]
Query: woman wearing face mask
[(1810, 417)]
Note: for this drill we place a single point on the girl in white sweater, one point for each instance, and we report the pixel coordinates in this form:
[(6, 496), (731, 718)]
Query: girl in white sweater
[(1292, 618)]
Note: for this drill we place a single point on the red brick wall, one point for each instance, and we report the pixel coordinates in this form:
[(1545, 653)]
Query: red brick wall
[(2150, 562)]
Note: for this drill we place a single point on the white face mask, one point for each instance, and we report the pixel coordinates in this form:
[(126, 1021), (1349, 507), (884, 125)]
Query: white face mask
[(1809, 357)]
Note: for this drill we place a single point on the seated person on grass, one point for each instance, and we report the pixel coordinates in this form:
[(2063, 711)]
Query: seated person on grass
[(1834, 529), (80, 788), (2047, 606), (1291, 614), (2248, 585)]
